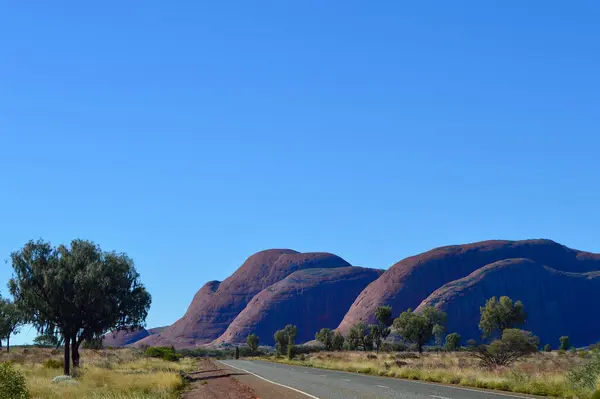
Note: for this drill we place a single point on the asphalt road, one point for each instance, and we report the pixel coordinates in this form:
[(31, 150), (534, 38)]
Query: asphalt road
[(326, 384)]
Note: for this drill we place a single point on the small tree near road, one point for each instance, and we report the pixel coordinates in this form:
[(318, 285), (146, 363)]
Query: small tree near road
[(252, 342), (80, 290), (325, 336), (418, 328), (284, 338), (452, 342), (513, 345), (381, 330), (499, 314)]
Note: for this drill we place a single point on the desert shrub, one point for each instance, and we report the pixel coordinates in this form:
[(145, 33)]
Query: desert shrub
[(513, 345), (53, 364), (371, 356), (406, 355), (12, 383), (565, 343), (162, 352), (547, 348), (584, 378), (452, 342)]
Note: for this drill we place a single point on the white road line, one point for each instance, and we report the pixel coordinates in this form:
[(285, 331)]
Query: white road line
[(487, 391), (272, 382), (439, 397), (383, 386), (345, 380), (323, 375)]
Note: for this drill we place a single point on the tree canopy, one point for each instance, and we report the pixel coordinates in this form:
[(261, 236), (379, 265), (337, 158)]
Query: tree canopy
[(418, 327), (11, 320), (325, 336), (80, 290), (498, 315), (381, 330)]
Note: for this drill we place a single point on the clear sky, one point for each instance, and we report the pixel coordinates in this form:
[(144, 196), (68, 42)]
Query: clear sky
[(191, 134)]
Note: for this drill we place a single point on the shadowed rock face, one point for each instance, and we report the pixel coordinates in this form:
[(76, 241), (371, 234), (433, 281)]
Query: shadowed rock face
[(413, 279), (558, 303), (121, 338), (311, 299), (217, 304)]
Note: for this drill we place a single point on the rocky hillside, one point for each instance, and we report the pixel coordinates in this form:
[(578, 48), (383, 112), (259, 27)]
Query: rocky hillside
[(217, 304), (558, 286), (410, 281), (310, 298), (554, 300)]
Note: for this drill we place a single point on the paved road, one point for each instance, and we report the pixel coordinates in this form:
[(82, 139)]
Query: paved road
[(327, 384)]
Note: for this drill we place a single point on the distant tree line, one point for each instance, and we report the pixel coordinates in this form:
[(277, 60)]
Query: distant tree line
[(502, 341)]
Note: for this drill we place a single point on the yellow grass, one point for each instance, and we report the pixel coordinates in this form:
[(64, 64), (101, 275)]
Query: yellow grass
[(544, 374), (105, 374)]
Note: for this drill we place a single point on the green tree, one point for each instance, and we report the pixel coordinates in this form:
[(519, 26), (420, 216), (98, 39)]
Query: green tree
[(547, 348), (11, 320), (438, 334), (513, 345), (81, 291), (338, 341), (237, 353), (359, 338), (418, 327), (283, 338), (565, 343), (381, 330), (498, 315), (325, 336), (452, 342), (252, 342), (291, 333), (46, 341)]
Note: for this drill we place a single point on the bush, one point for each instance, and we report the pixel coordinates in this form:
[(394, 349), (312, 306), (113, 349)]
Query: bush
[(596, 395), (162, 352), (584, 378), (12, 383), (53, 364), (513, 345), (547, 348), (565, 343), (452, 342)]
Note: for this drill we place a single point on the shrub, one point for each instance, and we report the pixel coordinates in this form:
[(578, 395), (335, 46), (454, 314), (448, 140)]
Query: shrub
[(513, 345), (162, 352), (596, 395), (53, 364), (547, 348), (565, 343), (12, 383), (452, 342), (584, 378)]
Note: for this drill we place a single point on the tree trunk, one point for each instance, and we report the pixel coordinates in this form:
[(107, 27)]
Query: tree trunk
[(75, 352), (7, 343), (67, 369)]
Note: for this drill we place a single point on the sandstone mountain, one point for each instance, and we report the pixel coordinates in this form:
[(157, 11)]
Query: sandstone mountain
[(555, 301), (217, 304), (410, 281), (311, 299)]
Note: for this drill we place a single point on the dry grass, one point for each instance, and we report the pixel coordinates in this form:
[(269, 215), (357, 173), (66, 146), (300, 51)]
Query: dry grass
[(543, 374), (105, 374)]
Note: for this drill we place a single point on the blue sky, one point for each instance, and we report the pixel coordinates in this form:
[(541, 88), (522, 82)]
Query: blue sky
[(192, 134)]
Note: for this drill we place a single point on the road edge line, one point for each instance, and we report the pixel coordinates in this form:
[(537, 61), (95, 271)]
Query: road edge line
[(272, 382)]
